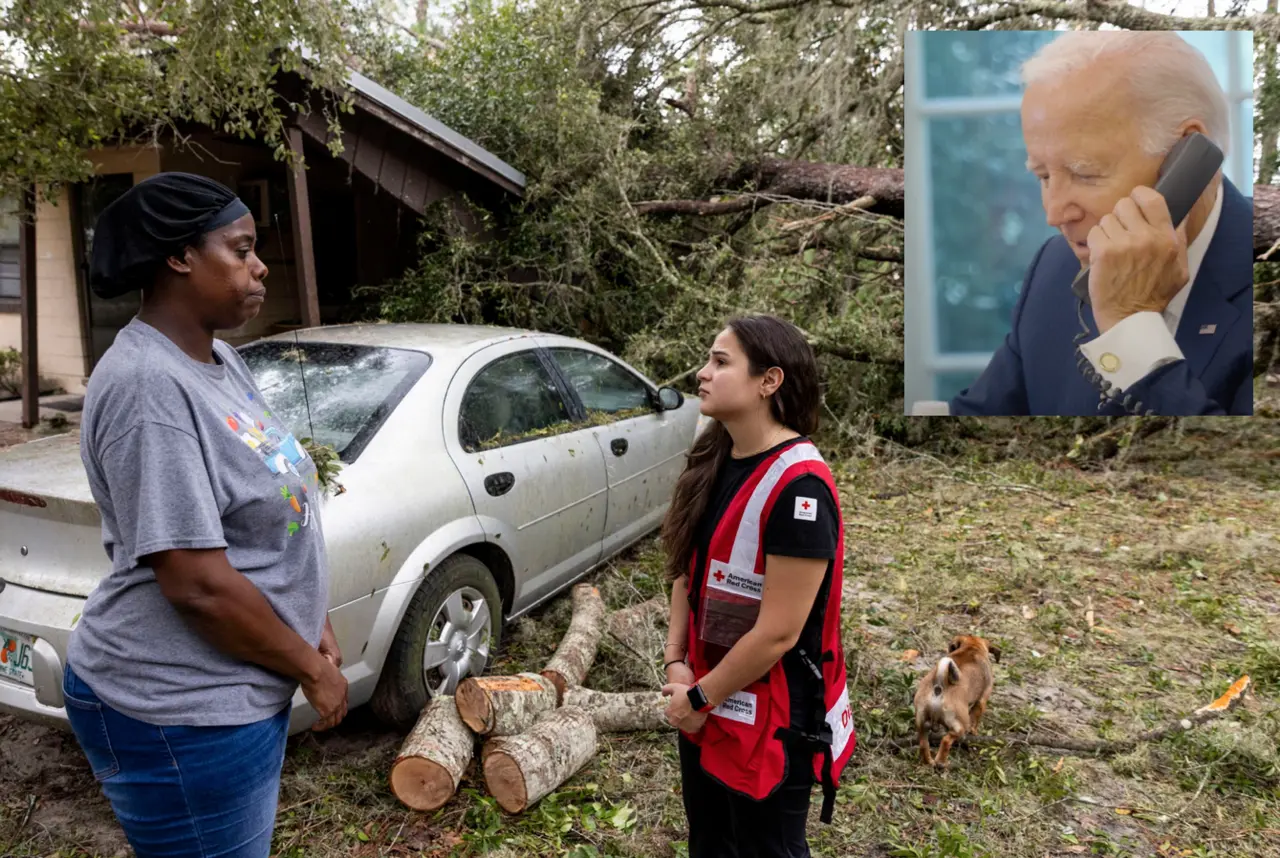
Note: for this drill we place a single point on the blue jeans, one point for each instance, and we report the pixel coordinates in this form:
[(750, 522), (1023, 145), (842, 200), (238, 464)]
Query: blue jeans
[(189, 791)]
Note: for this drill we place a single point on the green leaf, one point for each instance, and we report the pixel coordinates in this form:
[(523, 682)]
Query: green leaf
[(624, 817)]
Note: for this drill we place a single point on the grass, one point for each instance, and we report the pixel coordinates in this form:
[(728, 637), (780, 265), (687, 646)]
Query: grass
[(1176, 552)]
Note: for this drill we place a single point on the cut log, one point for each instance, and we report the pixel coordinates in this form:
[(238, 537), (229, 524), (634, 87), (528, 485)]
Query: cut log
[(621, 713), (426, 772), (519, 770), (638, 632), (569, 665), (634, 626), (505, 705)]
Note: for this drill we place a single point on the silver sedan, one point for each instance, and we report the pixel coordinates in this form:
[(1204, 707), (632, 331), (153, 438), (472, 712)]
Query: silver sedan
[(483, 471)]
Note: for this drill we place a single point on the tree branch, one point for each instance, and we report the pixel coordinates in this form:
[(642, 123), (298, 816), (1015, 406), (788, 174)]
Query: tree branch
[(1119, 14), (880, 254), (702, 208), (791, 245), (149, 28), (680, 105), (856, 355)]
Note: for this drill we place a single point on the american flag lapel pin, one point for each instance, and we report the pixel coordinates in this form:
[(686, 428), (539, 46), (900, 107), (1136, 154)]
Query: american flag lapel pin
[(1208, 329)]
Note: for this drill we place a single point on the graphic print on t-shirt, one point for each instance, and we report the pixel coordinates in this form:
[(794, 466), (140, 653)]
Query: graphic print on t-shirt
[(279, 451)]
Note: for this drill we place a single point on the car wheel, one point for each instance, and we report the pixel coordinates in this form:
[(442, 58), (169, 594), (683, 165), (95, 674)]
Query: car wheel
[(449, 631)]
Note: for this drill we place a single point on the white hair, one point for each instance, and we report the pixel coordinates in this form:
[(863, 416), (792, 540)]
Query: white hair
[(1170, 81)]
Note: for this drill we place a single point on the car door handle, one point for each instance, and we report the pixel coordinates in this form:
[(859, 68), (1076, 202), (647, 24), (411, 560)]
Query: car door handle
[(499, 484), (618, 446)]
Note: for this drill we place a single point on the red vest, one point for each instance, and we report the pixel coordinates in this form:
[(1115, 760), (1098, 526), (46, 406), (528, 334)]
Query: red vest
[(743, 743)]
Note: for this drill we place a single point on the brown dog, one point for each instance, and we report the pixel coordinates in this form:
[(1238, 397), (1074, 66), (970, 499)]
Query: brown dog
[(953, 694)]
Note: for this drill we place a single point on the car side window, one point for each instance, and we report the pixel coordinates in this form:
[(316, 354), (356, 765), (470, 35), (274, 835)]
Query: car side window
[(607, 389), (512, 399)]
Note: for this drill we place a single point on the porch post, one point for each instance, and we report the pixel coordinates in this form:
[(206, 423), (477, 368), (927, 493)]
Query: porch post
[(304, 260), (27, 293)]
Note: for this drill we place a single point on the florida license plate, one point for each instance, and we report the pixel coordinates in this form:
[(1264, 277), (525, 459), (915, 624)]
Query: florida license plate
[(15, 656)]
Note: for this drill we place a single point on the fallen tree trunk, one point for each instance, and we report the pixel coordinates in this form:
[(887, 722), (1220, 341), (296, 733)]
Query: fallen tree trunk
[(1224, 704), (505, 705), (572, 659), (1266, 220), (621, 713), (1266, 335), (777, 180), (433, 757), (519, 770)]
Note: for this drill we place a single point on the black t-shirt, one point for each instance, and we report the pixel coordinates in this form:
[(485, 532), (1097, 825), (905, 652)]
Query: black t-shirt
[(803, 523)]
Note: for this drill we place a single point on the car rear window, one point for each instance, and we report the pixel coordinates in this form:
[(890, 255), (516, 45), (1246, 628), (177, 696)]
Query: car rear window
[(335, 393)]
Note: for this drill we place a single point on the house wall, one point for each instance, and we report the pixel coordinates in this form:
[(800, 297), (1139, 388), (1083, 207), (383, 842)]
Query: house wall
[(61, 353), (10, 331)]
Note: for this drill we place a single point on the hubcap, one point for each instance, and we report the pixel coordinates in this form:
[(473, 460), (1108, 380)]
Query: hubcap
[(457, 642)]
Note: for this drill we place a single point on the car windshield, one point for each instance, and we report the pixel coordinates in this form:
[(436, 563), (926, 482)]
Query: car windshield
[(334, 393)]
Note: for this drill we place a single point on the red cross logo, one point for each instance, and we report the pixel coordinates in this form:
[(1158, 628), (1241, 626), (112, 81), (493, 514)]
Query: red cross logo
[(805, 506), (719, 576)]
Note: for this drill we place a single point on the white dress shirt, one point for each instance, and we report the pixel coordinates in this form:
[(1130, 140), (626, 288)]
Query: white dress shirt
[(1142, 343)]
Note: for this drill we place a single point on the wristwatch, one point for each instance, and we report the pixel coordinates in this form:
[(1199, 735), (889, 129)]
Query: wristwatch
[(698, 699)]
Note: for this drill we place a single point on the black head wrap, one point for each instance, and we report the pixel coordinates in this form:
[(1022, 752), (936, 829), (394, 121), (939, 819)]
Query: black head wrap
[(153, 220)]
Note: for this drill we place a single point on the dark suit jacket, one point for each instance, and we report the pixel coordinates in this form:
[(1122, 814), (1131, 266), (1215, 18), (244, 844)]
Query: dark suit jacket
[(1035, 372)]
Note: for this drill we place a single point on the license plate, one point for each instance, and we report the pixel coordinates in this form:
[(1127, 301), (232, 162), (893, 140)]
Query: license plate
[(15, 656)]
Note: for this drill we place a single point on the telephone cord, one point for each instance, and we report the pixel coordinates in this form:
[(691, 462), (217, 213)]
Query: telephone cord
[(1108, 392)]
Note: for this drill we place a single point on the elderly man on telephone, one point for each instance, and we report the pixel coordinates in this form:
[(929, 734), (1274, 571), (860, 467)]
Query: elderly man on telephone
[(1162, 322)]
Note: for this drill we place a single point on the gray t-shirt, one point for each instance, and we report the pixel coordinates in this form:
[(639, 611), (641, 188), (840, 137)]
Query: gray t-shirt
[(184, 454)]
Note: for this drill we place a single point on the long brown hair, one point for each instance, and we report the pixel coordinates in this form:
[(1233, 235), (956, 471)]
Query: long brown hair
[(767, 342)]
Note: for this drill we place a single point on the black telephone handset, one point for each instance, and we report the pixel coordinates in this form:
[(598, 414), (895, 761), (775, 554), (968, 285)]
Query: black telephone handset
[(1184, 175)]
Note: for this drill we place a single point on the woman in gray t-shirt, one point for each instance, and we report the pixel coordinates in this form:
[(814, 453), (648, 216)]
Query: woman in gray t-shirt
[(183, 664)]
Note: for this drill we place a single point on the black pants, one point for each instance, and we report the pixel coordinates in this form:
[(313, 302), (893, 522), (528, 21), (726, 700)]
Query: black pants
[(727, 824)]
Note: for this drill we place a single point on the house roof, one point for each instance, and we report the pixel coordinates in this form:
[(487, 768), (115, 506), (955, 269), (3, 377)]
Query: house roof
[(465, 148), (389, 106)]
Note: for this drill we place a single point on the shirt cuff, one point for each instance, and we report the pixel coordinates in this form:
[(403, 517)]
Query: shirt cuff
[(1135, 347)]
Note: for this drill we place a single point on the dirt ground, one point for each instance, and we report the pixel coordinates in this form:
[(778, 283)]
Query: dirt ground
[(1176, 551)]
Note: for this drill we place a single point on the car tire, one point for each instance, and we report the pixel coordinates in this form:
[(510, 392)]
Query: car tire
[(404, 686)]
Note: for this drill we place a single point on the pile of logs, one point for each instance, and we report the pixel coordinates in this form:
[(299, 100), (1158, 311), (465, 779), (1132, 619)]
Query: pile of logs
[(537, 729)]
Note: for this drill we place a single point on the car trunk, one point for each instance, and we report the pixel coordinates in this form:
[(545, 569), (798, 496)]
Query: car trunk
[(50, 531)]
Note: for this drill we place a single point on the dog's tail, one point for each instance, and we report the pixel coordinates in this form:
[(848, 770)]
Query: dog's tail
[(946, 674)]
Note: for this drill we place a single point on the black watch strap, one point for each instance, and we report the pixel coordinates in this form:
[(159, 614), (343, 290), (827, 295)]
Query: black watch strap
[(698, 699)]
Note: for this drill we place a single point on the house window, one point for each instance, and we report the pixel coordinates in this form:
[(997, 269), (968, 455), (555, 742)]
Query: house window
[(10, 283), (976, 219)]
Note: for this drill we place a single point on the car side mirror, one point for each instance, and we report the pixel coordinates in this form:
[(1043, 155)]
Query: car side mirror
[(670, 398)]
